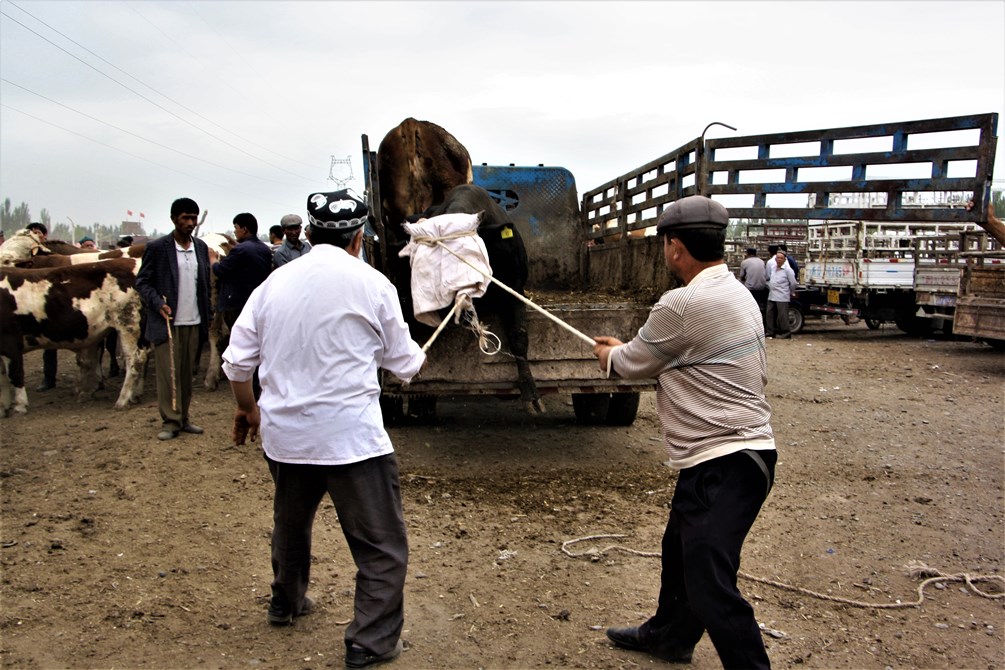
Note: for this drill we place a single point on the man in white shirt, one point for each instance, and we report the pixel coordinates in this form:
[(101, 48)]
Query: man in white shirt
[(781, 289), (321, 425)]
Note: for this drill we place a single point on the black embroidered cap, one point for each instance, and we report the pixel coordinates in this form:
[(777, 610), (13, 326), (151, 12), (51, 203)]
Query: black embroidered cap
[(338, 210)]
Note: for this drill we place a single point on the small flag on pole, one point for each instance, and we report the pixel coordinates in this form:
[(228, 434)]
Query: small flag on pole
[(142, 215), (129, 212)]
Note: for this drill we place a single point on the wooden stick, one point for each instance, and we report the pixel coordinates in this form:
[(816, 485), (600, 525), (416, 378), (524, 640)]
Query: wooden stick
[(439, 329), (174, 389)]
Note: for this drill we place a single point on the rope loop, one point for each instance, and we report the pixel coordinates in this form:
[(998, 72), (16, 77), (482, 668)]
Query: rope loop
[(915, 570), (488, 342)]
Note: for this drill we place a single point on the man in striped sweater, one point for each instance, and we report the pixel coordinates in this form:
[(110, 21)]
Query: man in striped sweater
[(704, 343)]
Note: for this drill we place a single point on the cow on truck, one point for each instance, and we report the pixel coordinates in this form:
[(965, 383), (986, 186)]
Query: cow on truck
[(420, 170), (548, 360)]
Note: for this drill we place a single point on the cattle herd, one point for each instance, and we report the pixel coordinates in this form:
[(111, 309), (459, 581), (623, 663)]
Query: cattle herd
[(72, 299)]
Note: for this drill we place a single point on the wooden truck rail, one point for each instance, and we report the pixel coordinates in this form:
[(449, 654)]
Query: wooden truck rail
[(980, 305)]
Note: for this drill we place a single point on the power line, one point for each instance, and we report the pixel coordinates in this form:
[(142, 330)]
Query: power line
[(154, 142), (137, 93), (123, 151), (182, 48), (226, 41)]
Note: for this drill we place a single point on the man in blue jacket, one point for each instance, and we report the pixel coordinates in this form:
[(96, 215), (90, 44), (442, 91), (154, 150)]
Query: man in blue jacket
[(173, 282), (242, 270)]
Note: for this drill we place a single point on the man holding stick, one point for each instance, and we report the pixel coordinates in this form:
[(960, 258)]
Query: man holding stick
[(704, 343), (173, 282)]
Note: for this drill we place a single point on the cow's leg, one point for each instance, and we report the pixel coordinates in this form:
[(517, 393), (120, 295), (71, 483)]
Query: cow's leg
[(88, 372), (6, 388), (514, 316), (219, 338), (12, 391), (15, 373), (112, 346), (135, 362)]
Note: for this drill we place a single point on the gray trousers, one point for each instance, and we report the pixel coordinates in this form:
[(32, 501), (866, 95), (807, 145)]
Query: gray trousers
[(186, 347), (776, 319), (367, 497)]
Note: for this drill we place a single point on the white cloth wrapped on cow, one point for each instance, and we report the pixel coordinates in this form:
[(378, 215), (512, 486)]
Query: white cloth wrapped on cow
[(438, 277)]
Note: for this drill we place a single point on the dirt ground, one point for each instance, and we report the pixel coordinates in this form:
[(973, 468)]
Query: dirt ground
[(119, 551)]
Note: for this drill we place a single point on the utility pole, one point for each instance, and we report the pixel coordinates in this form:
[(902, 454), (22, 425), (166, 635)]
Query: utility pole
[(340, 171)]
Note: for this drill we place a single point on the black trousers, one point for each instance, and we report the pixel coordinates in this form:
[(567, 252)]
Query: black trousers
[(367, 497), (713, 507)]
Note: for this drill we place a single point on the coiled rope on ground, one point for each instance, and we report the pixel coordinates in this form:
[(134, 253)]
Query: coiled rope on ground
[(915, 570)]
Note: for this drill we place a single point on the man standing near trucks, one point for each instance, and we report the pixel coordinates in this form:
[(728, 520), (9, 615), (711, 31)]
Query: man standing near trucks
[(752, 272), (704, 343), (781, 289)]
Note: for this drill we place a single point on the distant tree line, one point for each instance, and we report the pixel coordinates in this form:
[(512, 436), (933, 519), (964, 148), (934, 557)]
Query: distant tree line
[(13, 219)]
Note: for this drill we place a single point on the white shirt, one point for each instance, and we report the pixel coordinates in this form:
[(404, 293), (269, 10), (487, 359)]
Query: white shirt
[(319, 329), (781, 284), (188, 277)]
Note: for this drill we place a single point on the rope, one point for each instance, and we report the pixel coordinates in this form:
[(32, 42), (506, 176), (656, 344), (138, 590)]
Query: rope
[(915, 570), (488, 342)]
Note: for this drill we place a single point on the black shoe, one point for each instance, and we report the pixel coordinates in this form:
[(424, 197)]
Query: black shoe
[(358, 657), (629, 638), (192, 428), (282, 616), (46, 386)]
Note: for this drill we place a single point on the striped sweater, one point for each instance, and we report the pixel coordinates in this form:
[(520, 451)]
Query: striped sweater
[(704, 343)]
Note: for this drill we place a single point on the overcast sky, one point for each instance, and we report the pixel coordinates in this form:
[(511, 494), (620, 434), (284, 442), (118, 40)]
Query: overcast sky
[(116, 106)]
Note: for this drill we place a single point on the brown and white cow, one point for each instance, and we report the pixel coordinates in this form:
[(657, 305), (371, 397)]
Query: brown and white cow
[(72, 308), (424, 171)]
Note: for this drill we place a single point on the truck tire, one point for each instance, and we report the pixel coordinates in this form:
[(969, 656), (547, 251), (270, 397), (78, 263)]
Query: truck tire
[(623, 409), (591, 408), (795, 319), (422, 409), (392, 408), (914, 326), (997, 345)]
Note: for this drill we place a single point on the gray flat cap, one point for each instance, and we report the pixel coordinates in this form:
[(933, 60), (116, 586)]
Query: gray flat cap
[(692, 212), (290, 221)]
